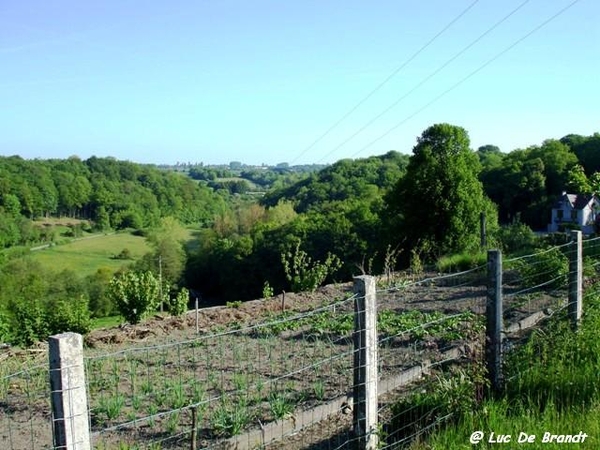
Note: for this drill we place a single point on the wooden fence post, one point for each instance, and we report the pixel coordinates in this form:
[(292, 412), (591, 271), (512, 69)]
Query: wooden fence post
[(493, 313), (365, 363), (68, 391), (575, 279)]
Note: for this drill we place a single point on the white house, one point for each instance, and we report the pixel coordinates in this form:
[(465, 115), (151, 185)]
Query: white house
[(583, 211)]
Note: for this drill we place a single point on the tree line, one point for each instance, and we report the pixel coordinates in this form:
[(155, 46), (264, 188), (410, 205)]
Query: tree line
[(370, 215), (111, 194)]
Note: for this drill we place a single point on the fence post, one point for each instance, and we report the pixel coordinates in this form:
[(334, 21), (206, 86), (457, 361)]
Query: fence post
[(493, 313), (575, 279), (365, 363), (68, 391)]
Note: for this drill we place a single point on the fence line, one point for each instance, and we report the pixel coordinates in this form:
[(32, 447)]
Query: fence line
[(280, 378)]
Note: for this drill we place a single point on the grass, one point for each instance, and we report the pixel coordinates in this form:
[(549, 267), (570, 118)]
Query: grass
[(106, 322), (552, 390), (461, 261), (501, 417), (88, 255)]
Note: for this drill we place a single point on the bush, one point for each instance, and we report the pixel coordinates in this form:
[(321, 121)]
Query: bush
[(124, 254), (547, 268), (30, 322), (73, 315), (517, 238), (303, 273), (136, 294), (179, 304), (4, 328)]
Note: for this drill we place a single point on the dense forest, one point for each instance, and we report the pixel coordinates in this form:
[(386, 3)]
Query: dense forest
[(259, 231)]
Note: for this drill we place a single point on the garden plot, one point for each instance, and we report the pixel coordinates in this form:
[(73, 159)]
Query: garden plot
[(249, 365)]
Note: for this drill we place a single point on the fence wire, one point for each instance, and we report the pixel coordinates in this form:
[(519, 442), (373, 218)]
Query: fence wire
[(428, 326), (25, 413), (287, 382), (219, 387)]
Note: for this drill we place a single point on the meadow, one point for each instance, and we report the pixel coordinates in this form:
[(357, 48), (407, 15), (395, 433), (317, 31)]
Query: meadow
[(88, 254)]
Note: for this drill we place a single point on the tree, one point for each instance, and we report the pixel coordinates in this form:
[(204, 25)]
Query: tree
[(437, 204), (136, 294)]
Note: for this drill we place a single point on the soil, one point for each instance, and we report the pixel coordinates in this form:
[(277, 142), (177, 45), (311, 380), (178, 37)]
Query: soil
[(143, 357)]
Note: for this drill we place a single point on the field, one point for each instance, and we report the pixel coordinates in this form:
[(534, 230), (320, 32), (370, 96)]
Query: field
[(249, 365), (86, 255)]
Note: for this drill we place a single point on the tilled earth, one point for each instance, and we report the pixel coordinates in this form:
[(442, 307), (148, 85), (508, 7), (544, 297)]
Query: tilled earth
[(144, 356)]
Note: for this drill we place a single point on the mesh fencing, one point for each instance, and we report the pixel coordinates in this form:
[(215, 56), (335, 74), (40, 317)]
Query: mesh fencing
[(287, 381), (225, 388)]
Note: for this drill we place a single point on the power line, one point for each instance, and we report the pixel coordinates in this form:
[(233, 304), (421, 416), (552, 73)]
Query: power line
[(471, 74), (385, 81), (426, 79)]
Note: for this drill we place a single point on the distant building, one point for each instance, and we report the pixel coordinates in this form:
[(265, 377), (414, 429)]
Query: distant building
[(576, 212)]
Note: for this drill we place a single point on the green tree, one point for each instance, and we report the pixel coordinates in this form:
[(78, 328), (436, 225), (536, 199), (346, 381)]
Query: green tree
[(136, 294), (438, 203), (578, 182), (303, 273)]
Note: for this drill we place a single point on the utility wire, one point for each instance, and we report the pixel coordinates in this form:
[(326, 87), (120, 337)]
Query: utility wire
[(474, 72), (426, 79), (385, 81)]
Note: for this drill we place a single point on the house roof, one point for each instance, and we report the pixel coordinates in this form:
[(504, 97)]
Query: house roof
[(575, 201)]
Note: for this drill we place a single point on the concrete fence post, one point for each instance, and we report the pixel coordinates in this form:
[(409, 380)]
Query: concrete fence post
[(575, 279), (71, 425), (493, 313), (365, 363)]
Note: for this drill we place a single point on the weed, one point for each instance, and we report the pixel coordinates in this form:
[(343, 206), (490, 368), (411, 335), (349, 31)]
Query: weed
[(281, 405), (236, 304), (177, 396), (173, 422), (240, 381), (319, 389), (111, 407), (229, 420)]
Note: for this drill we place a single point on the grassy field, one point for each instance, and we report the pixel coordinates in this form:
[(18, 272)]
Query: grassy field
[(87, 255), (553, 390)]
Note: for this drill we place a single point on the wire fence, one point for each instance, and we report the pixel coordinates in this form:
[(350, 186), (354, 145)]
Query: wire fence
[(290, 381)]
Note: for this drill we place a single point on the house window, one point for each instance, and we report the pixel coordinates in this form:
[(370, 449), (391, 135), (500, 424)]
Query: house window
[(559, 214), (574, 215)]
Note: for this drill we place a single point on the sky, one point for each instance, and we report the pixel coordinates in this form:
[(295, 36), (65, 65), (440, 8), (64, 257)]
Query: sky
[(311, 81)]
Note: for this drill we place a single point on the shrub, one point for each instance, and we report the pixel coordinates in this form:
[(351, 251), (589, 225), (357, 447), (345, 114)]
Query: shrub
[(517, 238), (547, 268), (136, 294), (30, 322), (179, 304), (124, 254), (303, 273), (73, 315)]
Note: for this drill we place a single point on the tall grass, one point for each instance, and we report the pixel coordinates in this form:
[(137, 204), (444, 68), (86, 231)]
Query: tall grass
[(552, 386)]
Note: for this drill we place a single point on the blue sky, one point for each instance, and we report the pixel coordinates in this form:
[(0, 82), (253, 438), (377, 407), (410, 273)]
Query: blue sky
[(262, 81)]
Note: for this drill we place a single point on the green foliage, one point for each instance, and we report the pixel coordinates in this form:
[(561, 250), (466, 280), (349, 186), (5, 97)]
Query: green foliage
[(235, 305), (30, 322), (281, 404), (447, 398), (517, 238), (70, 315), (267, 291), (136, 294), (461, 261), (553, 386), (5, 329), (230, 420), (548, 268), (179, 303), (437, 204), (123, 254), (303, 273)]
